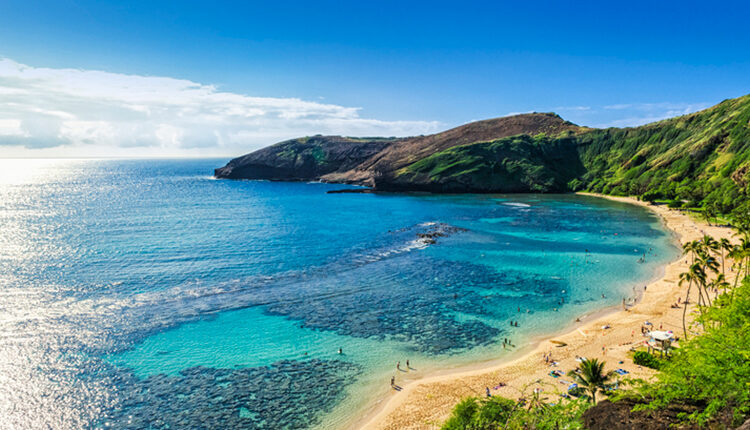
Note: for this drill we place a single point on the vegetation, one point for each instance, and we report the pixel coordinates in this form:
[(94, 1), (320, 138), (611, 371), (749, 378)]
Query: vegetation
[(591, 376), (700, 161), (644, 358), (711, 371), (514, 164), (501, 413)]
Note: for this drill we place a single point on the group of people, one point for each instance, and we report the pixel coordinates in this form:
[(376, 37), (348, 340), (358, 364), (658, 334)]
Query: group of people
[(398, 367)]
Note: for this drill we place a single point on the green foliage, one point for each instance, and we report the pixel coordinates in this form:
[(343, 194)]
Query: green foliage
[(513, 164), (644, 358), (464, 415), (592, 377), (711, 370), (501, 413), (474, 414), (674, 204), (702, 158)]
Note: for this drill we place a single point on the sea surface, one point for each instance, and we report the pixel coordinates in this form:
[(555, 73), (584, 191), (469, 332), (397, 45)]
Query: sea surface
[(146, 294)]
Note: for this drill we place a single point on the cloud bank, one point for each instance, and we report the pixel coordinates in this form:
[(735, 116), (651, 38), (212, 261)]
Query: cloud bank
[(70, 112)]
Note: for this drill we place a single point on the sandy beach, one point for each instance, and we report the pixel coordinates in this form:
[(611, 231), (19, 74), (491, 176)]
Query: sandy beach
[(425, 403)]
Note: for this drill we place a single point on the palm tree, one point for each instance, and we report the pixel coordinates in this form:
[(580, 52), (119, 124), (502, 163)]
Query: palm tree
[(709, 263), (591, 376), (736, 254), (694, 274), (708, 213), (724, 245), (709, 243), (691, 247), (745, 255), (720, 282)]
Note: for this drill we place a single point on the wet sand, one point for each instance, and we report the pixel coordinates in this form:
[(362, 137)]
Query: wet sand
[(425, 403)]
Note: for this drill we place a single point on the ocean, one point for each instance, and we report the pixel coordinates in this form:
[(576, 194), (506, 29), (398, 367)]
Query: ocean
[(147, 294)]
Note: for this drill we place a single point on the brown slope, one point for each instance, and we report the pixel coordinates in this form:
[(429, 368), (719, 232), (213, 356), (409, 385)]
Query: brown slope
[(407, 151)]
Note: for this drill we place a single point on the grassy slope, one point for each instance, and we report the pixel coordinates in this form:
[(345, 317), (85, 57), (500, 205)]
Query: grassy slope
[(703, 158), (514, 164)]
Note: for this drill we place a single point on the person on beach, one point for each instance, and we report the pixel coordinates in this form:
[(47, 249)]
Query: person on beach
[(407, 364), (393, 381), (487, 389), (398, 365)]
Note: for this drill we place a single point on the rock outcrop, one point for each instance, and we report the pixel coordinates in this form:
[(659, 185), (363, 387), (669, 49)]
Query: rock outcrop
[(369, 161), (303, 159)]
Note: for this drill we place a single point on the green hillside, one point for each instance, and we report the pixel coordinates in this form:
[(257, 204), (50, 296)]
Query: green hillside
[(701, 159)]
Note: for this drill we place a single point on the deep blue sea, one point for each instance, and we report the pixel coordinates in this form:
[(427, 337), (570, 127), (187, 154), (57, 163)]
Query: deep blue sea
[(146, 294)]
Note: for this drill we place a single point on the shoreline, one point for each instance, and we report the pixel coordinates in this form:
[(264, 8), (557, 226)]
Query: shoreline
[(426, 402)]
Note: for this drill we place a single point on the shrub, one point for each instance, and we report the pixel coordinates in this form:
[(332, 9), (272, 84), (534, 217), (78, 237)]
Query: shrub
[(644, 358), (713, 369), (501, 413)]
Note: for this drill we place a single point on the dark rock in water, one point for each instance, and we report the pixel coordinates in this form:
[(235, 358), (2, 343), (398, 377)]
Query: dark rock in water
[(352, 191), (252, 398)]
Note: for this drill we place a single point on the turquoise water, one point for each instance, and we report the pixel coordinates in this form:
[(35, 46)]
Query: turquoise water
[(145, 294)]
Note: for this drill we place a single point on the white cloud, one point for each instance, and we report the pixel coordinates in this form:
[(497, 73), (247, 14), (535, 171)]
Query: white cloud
[(572, 108), (72, 112), (644, 113), (518, 113)]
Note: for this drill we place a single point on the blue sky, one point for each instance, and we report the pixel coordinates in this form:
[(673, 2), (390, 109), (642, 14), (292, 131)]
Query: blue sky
[(409, 67)]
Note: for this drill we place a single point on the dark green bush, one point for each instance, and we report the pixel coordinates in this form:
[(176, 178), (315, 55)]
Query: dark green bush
[(644, 358), (674, 204)]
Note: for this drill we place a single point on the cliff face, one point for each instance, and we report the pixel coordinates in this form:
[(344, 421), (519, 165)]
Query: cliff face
[(515, 164), (362, 161), (703, 158), (303, 159)]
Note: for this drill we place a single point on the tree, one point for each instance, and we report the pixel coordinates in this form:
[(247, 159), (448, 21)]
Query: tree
[(692, 248), (591, 376), (708, 213), (726, 246), (689, 277), (707, 262), (463, 415), (475, 414)]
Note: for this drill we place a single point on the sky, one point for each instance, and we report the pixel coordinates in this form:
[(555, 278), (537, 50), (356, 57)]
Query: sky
[(221, 78)]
